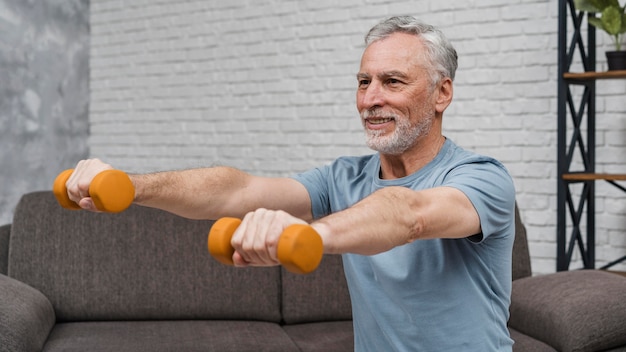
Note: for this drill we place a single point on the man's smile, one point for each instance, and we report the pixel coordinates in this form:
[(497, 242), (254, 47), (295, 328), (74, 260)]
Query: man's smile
[(378, 121)]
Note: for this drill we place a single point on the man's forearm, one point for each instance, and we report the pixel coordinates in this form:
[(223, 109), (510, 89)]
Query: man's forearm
[(211, 193), (204, 193), (395, 216), (376, 224)]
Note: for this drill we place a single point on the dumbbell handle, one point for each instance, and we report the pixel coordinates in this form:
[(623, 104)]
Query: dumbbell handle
[(111, 191), (300, 248)]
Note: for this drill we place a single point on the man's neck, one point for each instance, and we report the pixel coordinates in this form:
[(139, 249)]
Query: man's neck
[(409, 162)]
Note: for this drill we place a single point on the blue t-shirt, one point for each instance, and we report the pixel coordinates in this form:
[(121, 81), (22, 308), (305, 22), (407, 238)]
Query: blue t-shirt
[(436, 294)]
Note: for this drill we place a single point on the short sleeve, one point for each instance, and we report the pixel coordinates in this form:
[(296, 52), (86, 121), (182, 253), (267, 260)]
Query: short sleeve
[(314, 181), (490, 188)]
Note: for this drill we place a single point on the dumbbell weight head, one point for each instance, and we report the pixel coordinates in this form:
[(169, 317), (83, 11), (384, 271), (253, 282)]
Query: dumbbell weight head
[(300, 249), (219, 240), (60, 191), (112, 191)]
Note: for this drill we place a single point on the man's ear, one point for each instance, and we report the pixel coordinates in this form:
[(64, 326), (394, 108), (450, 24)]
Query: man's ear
[(444, 94)]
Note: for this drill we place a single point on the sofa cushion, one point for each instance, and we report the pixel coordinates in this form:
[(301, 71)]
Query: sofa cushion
[(319, 296), (333, 336), (5, 232), (26, 316), (157, 336), (581, 310), (140, 264), (520, 256), (525, 343)]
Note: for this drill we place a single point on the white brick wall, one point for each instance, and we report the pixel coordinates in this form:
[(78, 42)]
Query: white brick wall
[(268, 86)]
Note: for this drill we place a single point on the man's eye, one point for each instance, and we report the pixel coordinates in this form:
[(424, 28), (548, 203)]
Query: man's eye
[(363, 82), (393, 81)]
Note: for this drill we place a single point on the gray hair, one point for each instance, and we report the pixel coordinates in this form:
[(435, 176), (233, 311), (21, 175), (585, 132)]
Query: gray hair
[(439, 52)]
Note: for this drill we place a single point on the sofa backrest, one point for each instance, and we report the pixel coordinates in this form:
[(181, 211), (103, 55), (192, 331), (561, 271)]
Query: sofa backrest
[(5, 232), (521, 256), (319, 296), (140, 264)]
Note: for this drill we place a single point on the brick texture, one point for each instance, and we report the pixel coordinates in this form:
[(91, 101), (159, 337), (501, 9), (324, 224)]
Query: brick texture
[(269, 87)]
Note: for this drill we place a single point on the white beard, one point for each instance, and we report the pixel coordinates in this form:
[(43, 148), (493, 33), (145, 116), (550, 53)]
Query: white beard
[(402, 138)]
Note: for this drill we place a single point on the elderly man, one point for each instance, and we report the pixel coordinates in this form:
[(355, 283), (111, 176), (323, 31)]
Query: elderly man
[(425, 228)]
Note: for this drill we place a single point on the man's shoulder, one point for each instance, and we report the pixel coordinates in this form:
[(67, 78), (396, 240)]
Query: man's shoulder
[(457, 156)]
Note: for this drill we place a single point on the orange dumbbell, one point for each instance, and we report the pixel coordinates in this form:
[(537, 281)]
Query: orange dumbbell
[(299, 250), (111, 191)]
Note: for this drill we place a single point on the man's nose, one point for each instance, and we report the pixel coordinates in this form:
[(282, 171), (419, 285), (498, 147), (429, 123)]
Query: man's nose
[(372, 96)]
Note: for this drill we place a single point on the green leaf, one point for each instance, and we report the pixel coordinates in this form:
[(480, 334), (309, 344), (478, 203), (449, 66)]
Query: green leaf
[(585, 5), (604, 4), (612, 20), (594, 21)]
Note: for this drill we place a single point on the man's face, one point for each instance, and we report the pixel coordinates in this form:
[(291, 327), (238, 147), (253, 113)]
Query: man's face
[(395, 97)]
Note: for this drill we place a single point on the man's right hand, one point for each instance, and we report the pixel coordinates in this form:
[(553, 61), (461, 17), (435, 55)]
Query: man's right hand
[(80, 180)]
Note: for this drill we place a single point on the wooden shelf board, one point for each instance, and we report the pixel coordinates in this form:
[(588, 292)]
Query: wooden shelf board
[(589, 76), (592, 177)]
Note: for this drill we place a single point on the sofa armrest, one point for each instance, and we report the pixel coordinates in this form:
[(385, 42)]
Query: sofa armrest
[(582, 310), (5, 232), (26, 316)]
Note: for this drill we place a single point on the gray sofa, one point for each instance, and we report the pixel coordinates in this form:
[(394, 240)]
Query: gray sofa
[(142, 280), (570, 311)]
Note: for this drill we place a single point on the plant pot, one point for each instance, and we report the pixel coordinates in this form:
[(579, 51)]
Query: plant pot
[(616, 60)]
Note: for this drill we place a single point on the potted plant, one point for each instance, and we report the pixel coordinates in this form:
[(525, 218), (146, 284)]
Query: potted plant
[(612, 20)]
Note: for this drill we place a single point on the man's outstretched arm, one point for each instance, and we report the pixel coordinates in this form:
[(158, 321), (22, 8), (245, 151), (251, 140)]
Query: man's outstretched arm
[(203, 193)]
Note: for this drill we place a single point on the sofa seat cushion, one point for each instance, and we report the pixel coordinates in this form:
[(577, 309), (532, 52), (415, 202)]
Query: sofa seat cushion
[(581, 310), (525, 343), (155, 336), (334, 336)]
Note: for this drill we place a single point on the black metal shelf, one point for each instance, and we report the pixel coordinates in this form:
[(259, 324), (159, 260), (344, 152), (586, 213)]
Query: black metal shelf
[(579, 119)]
